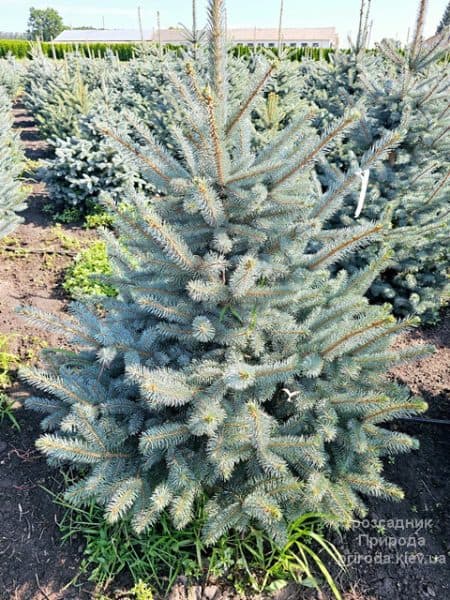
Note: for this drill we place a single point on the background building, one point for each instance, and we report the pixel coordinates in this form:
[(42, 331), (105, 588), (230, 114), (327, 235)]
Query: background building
[(103, 35), (319, 37)]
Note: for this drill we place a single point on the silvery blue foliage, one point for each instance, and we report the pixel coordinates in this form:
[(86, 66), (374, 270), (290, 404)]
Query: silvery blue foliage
[(67, 100), (11, 164), (232, 364), (84, 166), (12, 73), (407, 89)]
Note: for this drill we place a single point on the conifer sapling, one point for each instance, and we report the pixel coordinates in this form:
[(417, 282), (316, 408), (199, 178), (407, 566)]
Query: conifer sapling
[(232, 365), (11, 193)]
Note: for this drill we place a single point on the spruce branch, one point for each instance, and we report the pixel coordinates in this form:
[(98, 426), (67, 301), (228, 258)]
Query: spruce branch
[(76, 450), (169, 241), (329, 137), (210, 205), (216, 47), (378, 487), (359, 37), (245, 106), (123, 499), (216, 139), (388, 331), (160, 152), (365, 235), (162, 386), (438, 188), (255, 172), (163, 437), (418, 29), (403, 409), (159, 500), (53, 324), (354, 333), (131, 148), (165, 311)]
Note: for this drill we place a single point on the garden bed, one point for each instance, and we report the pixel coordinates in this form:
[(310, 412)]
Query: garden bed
[(33, 563)]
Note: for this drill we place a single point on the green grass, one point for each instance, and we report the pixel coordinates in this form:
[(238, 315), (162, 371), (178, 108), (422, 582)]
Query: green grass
[(78, 281), (8, 361), (93, 216), (7, 411), (250, 563), (98, 219)]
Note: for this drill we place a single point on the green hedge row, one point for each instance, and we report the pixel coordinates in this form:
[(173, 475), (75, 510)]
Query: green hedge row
[(18, 48), (21, 49), (126, 51), (294, 53)]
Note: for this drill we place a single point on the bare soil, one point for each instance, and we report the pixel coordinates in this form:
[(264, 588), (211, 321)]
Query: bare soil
[(33, 563), (34, 257)]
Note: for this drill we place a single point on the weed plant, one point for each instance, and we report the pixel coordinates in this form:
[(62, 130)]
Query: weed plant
[(80, 278), (8, 361), (250, 563), (7, 411)]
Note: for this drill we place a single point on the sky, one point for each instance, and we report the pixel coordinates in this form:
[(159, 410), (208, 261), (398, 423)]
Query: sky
[(391, 18)]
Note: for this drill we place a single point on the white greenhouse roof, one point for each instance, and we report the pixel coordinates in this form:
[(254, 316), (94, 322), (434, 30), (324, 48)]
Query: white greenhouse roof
[(103, 35), (178, 35)]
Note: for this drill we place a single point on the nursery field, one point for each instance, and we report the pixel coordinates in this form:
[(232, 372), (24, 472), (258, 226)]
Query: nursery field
[(224, 323)]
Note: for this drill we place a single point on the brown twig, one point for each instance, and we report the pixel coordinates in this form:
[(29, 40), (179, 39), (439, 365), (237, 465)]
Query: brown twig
[(40, 588)]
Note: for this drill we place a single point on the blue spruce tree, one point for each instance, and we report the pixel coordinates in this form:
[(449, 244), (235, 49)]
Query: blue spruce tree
[(404, 89), (232, 365), (445, 21), (11, 193), (12, 72)]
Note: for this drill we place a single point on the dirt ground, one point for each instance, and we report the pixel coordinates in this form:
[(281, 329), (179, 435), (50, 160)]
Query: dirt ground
[(33, 258), (34, 565)]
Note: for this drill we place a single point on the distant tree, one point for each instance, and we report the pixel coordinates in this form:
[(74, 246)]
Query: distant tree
[(44, 24), (445, 21)]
